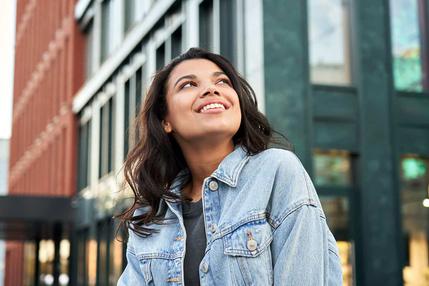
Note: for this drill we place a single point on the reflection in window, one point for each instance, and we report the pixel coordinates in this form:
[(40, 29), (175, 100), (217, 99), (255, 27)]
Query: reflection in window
[(408, 45), (329, 41), (332, 168), (415, 219), (336, 209)]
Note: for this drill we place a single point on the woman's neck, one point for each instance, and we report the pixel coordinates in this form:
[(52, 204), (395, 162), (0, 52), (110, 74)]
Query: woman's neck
[(202, 161)]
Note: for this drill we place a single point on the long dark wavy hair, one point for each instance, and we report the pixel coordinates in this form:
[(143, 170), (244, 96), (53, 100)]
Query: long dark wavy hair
[(156, 159)]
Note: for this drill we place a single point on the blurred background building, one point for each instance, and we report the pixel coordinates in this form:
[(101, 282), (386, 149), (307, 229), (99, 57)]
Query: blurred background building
[(4, 165), (346, 81)]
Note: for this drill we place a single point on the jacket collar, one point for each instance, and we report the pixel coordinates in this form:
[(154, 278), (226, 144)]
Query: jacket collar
[(227, 172), (230, 168)]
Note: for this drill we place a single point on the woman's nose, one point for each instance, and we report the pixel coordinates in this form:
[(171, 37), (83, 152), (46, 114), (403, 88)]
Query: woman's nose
[(211, 90)]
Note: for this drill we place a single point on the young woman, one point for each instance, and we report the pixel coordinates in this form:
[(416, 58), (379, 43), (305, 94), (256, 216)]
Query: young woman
[(214, 204)]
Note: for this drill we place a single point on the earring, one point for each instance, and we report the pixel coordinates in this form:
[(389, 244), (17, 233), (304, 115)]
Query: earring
[(167, 127)]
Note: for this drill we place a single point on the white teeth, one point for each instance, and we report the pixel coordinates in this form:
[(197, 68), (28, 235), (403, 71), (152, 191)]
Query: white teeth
[(211, 106)]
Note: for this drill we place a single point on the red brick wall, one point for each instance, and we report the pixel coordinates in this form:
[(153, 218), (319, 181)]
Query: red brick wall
[(14, 265), (48, 72)]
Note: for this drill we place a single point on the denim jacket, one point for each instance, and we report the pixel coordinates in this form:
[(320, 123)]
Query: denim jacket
[(264, 226)]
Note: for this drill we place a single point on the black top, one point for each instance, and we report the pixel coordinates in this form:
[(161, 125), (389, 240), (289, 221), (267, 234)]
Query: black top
[(195, 240)]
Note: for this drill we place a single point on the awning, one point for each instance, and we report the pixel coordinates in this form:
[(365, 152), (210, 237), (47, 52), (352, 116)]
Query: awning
[(34, 217)]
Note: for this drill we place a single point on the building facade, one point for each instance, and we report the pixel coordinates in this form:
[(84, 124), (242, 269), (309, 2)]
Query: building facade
[(346, 81), (36, 214)]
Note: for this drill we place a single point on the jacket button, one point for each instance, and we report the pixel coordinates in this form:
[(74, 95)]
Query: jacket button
[(252, 244), (213, 185), (213, 228), (204, 267)]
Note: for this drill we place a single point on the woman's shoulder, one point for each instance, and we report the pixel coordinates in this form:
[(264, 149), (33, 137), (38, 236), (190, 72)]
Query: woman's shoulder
[(290, 183), (276, 158)]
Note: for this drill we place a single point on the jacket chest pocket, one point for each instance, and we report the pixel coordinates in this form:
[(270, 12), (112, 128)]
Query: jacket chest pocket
[(248, 250), (160, 270)]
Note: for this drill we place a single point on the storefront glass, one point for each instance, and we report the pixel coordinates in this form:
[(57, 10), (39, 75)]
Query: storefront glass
[(415, 219), (333, 180)]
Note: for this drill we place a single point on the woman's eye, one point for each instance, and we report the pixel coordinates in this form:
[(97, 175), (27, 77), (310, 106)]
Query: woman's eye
[(187, 84), (224, 80)]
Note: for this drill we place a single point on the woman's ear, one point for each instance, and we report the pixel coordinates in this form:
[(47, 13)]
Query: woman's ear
[(167, 126)]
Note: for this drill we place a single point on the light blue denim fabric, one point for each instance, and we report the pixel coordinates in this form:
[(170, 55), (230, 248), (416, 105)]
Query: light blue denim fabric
[(264, 226)]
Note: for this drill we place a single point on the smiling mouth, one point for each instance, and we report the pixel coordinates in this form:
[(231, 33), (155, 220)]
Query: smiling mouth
[(209, 108)]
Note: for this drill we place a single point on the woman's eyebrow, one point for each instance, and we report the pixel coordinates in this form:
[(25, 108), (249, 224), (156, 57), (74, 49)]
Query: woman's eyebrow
[(192, 76)]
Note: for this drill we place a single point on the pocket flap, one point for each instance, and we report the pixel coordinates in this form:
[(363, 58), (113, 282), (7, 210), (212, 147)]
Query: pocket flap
[(249, 239)]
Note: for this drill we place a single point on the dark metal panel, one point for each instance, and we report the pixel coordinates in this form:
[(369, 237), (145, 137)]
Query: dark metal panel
[(36, 208), (286, 72), (413, 140), (31, 217), (413, 110), (335, 135), (335, 103), (379, 257)]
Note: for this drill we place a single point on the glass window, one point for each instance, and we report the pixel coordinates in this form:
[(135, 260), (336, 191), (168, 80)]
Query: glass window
[(91, 262), (82, 274), (105, 29), (228, 29), (329, 42), (127, 116), (176, 43), (29, 263), (64, 262), (103, 235), (409, 44), (332, 168), (106, 138), (336, 209), (415, 218), (117, 259), (160, 57), (129, 17), (84, 154), (110, 33), (133, 92), (138, 98), (89, 47), (206, 24), (46, 260)]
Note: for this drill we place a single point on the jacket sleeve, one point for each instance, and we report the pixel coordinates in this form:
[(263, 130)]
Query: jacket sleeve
[(132, 274), (304, 251)]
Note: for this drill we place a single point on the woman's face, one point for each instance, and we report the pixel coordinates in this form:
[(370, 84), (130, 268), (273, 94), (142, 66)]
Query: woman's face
[(202, 105)]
